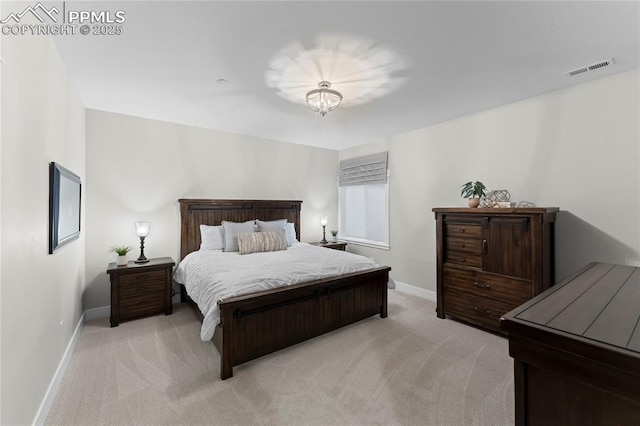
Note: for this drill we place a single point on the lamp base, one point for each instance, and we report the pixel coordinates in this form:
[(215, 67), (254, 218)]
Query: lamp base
[(142, 258)]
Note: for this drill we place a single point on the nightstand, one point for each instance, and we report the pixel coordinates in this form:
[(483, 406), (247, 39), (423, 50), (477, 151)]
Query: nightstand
[(140, 289), (335, 246)]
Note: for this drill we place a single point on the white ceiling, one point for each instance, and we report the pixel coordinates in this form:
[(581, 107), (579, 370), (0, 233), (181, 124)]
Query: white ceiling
[(420, 62)]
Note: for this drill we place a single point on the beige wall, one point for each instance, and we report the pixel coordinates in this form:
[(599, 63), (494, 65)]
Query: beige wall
[(577, 149), (137, 169), (1, 225), (41, 294)]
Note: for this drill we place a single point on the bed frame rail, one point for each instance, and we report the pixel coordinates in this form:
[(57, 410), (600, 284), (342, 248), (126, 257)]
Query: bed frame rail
[(265, 322)]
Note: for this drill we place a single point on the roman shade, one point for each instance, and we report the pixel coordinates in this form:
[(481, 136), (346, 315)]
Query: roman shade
[(367, 170)]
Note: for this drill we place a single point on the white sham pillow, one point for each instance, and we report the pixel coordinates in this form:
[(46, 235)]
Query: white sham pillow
[(231, 230), (211, 237), (275, 225), (272, 225), (292, 238)]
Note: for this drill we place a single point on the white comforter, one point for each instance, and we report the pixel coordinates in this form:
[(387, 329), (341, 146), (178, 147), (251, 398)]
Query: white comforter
[(210, 275)]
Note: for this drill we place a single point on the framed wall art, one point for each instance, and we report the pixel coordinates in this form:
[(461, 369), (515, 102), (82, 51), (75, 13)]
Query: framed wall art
[(65, 189)]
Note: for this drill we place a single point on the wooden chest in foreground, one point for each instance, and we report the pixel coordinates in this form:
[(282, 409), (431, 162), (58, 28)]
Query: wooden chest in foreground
[(576, 350)]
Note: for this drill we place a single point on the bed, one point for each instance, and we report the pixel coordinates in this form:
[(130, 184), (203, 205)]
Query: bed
[(256, 324)]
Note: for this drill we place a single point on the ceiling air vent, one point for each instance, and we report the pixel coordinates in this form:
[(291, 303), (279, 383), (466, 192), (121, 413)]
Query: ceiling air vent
[(588, 68)]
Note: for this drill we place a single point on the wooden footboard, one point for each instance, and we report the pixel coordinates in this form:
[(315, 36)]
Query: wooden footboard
[(261, 323)]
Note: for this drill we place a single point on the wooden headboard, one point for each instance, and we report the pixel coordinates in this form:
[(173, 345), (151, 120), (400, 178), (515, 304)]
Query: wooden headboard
[(196, 212)]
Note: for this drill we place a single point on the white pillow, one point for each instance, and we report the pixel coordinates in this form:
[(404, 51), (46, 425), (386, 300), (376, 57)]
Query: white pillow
[(211, 237), (272, 225), (291, 234), (231, 230), (275, 225)]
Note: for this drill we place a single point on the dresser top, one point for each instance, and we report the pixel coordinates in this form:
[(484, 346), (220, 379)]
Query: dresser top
[(599, 305), (495, 210)]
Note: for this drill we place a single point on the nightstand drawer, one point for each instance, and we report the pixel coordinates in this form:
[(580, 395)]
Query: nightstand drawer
[(141, 288), (142, 277), (141, 305)]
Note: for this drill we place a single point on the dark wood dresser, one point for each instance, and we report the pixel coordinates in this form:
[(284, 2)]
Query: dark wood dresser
[(491, 260), (139, 290), (576, 350)]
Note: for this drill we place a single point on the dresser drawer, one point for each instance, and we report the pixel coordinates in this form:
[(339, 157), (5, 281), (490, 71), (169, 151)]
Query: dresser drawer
[(478, 310), (512, 291), (473, 260), (142, 277), (461, 229), (464, 245)]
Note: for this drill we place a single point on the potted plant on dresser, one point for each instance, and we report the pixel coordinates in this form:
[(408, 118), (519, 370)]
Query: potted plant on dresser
[(473, 190), (121, 251)]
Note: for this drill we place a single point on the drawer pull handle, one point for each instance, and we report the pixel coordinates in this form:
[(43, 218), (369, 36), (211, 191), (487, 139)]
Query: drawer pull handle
[(482, 311), (461, 230), (461, 245), (461, 259), (477, 284), (484, 246)]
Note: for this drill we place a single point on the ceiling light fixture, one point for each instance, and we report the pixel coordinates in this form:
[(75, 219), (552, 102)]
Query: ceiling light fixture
[(323, 99)]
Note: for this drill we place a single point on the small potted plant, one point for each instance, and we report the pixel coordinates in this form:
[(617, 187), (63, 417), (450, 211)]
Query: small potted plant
[(121, 251), (334, 235), (473, 190)]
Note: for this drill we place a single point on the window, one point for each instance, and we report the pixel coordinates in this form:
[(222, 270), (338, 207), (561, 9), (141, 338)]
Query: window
[(363, 198)]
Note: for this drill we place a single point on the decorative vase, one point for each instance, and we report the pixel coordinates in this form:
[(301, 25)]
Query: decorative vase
[(334, 239), (122, 260), (474, 202)]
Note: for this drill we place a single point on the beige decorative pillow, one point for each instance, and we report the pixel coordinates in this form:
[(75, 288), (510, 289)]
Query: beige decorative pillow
[(254, 242)]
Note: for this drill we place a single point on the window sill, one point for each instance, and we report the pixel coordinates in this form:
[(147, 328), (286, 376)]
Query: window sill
[(366, 244)]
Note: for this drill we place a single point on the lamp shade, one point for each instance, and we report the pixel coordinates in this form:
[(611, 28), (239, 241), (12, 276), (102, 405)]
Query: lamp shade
[(323, 220), (142, 228)]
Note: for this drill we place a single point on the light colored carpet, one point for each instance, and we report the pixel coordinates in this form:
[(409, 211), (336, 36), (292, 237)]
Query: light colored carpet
[(408, 369)]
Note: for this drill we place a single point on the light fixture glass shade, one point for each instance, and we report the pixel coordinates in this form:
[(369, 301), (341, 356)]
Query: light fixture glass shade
[(323, 220), (142, 228), (323, 99)]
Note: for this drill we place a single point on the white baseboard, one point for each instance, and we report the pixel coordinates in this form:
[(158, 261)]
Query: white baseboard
[(101, 312), (416, 291), (45, 406)]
